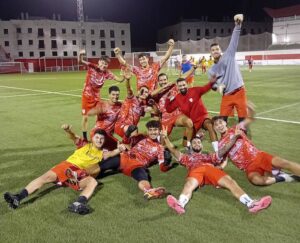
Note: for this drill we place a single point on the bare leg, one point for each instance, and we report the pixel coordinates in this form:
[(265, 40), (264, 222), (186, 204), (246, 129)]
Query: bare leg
[(287, 165), (209, 127), (88, 185), (184, 121), (230, 184), (259, 180), (36, 184)]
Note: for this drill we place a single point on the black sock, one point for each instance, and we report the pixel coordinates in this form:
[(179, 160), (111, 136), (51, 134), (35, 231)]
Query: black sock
[(84, 135), (279, 179), (82, 199), (22, 194)]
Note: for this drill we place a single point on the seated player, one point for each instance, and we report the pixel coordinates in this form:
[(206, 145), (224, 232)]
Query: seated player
[(189, 102), (144, 151), (95, 78), (70, 172), (132, 109), (201, 172), (257, 164), (147, 73)]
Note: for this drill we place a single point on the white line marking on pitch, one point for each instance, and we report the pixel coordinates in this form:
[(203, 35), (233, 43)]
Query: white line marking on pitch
[(279, 108)]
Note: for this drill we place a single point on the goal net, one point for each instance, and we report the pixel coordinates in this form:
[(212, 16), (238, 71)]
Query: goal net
[(12, 67)]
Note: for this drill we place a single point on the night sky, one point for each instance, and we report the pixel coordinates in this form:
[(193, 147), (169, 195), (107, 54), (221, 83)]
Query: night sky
[(145, 16)]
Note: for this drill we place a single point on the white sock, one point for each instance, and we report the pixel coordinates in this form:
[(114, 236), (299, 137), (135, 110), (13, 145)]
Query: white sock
[(215, 146), (246, 200), (183, 200)]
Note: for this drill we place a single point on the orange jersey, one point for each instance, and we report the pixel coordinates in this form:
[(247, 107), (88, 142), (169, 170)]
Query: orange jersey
[(195, 160), (147, 76), (146, 151), (131, 111), (94, 80), (165, 116), (243, 152), (107, 119)]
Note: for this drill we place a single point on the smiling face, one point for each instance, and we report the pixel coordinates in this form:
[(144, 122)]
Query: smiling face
[(144, 61), (143, 93), (153, 132), (215, 52), (162, 80), (103, 65), (98, 140), (220, 126), (197, 145), (114, 96), (182, 87)]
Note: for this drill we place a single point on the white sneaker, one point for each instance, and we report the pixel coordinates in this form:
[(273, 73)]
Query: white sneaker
[(287, 177)]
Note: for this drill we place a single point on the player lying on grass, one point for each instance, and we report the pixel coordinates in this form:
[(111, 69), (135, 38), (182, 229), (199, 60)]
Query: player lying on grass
[(202, 171), (144, 151), (147, 73), (189, 102), (72, 173), (256, 163), (95, 78)]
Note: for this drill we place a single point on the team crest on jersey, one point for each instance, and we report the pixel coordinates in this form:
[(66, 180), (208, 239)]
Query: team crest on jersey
[(191, 100)]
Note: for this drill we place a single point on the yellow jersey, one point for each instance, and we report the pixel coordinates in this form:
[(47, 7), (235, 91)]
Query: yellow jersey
[(86, 156)]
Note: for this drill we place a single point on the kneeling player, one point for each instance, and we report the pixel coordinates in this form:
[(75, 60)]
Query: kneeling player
[(201, 171), (71, 172)]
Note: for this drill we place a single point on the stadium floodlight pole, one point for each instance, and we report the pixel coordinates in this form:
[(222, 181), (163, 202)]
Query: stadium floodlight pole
[(80, 18)]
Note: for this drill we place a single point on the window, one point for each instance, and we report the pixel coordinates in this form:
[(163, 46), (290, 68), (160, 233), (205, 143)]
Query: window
[(53, 32), (31, 54), (103, 53), (112, 54), (93, 53), (222, 31), (54, 53), (20, 54), (215, 31), (122, 32), (5, 31), (6, 43), (19, 42), (123, 43), (123, 53), (73, 31), (64, 42), (259, 30), (63, 31), (83, 31), (40, 32), (198, 38), (83, 42), (19, 31), (188, 31), (112, 44), (198, 32), (74, 42), (30, 42), (42, 53), (252, 31), (65, 53), (102, 44), (75, 53), (112, 34), (92, 42), (206, 32), (29, 30), (102, 33), (53, 44), (229, 30), (41, 44), (92, 32)]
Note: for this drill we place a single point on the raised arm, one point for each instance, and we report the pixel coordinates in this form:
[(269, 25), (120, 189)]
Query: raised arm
[(164, 133), (118, 150), (168, 53), (162, 90), (68, 129), (188, 73), (80, 58), (118, 54), (234, 41)]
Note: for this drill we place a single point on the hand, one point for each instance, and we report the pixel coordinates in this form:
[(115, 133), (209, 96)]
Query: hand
[(171, 42), (220, 88), (238, 132), (148, 109), (251, 106), (82, 52), (117, 51), (213, 79), (121, 147), (126, 73), (66, 127), (164, 132), (238, 19)]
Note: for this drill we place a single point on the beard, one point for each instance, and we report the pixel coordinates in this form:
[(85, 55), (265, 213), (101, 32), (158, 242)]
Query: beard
[(196, 150), (183, 91)]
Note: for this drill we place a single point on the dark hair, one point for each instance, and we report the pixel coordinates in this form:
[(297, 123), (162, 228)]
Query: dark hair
[(214, 44), (142, 87), (100, 132), (180, 80), (196, 137), (113, 88), (143, 54), (153, 124), (215, 118), (162, 74), (104, 58)]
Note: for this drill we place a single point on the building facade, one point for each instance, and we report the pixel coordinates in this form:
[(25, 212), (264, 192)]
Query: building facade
[(35, 38)]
